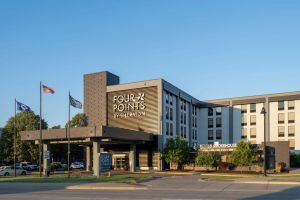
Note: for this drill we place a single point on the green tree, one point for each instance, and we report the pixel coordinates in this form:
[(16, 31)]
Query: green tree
[(79, 120), (244, 154), (25, 150), (208, 159), (176, 151), (56, 127)]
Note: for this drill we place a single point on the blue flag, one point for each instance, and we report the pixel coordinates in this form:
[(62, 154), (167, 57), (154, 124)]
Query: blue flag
[(22, 107), (75, 103)]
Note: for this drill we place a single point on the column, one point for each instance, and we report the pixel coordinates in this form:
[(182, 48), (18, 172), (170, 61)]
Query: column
[(46, 158), (88, 158), (96, 158), (132, 157)]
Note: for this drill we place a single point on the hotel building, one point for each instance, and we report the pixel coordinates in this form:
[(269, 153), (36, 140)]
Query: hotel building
[(132, 121)]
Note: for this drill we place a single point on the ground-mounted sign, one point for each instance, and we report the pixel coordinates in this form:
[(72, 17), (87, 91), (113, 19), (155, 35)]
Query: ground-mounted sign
[(105, 162)]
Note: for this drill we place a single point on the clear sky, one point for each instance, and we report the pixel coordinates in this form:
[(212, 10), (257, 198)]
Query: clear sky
[(211, 49)]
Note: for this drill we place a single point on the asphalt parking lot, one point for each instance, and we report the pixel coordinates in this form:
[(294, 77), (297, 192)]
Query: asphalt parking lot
[(161, 187)]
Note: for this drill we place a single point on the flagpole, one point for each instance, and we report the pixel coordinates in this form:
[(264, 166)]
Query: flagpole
[(15, 138), (69, 137), (40, 143)]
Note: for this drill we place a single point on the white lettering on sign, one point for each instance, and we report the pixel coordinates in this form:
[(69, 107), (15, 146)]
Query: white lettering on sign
[(129, 105)]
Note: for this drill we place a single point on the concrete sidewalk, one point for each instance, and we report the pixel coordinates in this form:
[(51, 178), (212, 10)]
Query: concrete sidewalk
[(106, 186)]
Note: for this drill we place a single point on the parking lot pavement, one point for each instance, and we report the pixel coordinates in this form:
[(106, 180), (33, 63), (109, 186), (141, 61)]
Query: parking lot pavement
[(161, 187)]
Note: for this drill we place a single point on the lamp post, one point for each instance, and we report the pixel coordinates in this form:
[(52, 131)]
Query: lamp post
[(263, 111)]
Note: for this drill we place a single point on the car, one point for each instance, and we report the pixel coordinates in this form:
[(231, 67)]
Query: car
[(77, 165), (10, 171), (27, 166)]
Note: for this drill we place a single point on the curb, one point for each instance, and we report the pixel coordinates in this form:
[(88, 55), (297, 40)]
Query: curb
[(80, 187), (270, 182)]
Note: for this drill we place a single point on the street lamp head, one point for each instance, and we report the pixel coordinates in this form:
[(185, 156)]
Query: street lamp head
[(263, 111)]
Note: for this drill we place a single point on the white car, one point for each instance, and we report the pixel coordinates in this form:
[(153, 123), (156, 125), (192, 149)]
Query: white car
[(10, 171), (27, 166), (77, 165)]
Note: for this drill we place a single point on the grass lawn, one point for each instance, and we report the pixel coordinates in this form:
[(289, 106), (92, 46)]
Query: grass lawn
[(129, 179)]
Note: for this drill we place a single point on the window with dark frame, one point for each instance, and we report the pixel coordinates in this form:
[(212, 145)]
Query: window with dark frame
[(253, 120), (252, 132), (281, 118), (244, 109), (218, 110), (244, 120), (291, 105), (252, 107), (210, 135), (291, 117), (280, 105), (291, 132), (281, 131), (210, 112), (210, 122), (218, 122), (219, 134)]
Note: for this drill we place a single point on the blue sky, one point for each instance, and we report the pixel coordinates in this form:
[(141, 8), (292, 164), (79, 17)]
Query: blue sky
[(211, 49)]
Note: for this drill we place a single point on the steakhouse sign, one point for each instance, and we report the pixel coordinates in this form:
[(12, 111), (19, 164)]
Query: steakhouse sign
[(129, 105)]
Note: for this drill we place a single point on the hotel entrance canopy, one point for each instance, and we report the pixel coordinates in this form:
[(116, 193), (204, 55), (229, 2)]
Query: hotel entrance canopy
[(104, 134)]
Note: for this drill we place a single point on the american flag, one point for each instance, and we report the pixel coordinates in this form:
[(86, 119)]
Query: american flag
[(47, 89)]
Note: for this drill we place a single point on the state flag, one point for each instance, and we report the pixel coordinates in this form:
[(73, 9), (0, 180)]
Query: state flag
[(75, 103), (22, 107)]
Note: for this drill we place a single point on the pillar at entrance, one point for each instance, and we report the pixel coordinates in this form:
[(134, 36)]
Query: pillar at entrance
[(96, 158), (132, 157), (88, 158), (46, 158)]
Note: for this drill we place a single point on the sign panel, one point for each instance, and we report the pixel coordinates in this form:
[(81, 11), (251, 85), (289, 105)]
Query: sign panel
[(135, 109), (105, 162), (46, 155)]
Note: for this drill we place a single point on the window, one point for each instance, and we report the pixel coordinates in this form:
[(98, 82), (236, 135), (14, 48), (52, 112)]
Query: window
[(280, 105), (281, 131), (252, 107), (167, 128), (210, 122), (291, 131), (210, 134), (291, 117), (167, 98), (167, 112), (184, 118), (195, 134), (171, 129), (181, 117), (218, 110), (292, 144), (184, 132), (244, 120), (210, 112), (195, 121), (253, 120), (218, 122), (244, 109), (244, 133), (281, 118), (171, 114), (252, 132), (291, 105), (218, 134), (171, 99), (181, 131)]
